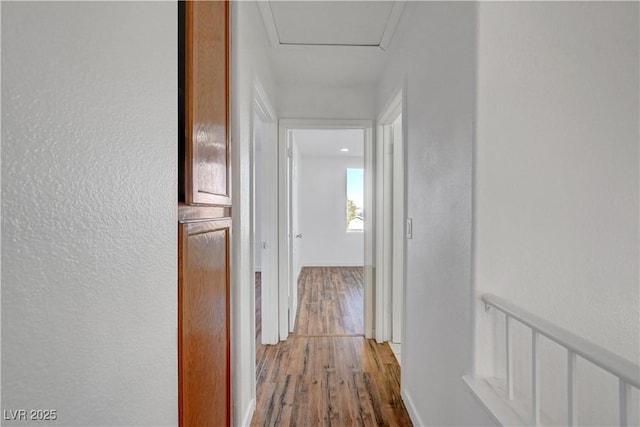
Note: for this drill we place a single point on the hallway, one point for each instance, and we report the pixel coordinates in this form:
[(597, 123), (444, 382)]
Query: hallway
[(521, 158), (327, 373)]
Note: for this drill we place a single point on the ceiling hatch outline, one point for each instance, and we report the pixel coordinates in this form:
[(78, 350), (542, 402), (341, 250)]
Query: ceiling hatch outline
[(271, 27)]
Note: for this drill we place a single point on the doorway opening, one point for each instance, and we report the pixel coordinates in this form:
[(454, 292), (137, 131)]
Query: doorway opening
[(327, 220), (318, 225), (330, 352)]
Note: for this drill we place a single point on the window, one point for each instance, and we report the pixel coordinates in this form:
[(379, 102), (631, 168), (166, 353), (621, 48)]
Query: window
[(355, 197)]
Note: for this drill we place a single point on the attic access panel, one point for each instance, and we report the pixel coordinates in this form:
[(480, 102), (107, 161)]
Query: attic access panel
[(333, 23)]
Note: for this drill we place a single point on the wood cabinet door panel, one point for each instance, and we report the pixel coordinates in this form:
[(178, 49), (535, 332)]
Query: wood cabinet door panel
[(203, 322), (206, 111)]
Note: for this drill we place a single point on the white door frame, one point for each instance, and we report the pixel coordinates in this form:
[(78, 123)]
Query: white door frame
[(399, 232), (386, 203), (263, 108), (286, 126)]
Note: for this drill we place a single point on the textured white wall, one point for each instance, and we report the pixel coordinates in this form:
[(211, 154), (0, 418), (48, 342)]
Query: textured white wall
[(249, 62), (435, 47), (322, 196), (557, 181), (89, 212)]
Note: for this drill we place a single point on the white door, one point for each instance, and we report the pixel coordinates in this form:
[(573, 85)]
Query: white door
[(258, 197), (265, 225), (398, 231), (390, 223), (296, 234), (289, 263)]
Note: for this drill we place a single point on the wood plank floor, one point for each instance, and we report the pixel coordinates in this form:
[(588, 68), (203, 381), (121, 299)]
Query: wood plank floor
[(335, 377), (330, 301)]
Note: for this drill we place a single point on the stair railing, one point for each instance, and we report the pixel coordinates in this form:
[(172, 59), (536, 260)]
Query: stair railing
[(628, 373)]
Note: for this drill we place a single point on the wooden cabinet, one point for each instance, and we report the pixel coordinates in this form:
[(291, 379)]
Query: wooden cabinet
[(204, 210), (207, 151), (203, 323)]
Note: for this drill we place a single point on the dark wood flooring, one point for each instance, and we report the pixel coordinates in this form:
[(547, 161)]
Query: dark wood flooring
[(327, 373), (331, 301)]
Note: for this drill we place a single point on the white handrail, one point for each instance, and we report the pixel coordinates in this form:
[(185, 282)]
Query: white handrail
[(628, 373), (622, 368)]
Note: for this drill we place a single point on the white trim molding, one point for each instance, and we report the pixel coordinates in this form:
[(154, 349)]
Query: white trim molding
[(392, 24), (248, 415), (269, 22)]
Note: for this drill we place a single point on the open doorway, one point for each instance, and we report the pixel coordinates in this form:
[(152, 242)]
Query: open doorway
[(327, 208), (293, 376), (392, 225), (264, 180), (319, 225)]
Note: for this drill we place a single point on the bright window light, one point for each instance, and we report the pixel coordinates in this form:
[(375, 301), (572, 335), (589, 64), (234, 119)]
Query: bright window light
[(355, 199)]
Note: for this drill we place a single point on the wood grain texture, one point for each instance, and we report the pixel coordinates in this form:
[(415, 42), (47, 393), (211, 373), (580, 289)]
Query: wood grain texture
[(207, 152), (327, 380), (204, 376), (203, 324), (330, 301)]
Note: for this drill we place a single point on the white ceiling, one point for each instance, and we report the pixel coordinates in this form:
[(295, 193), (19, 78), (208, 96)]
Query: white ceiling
[(336, 43), (331, 23), (328, 142)]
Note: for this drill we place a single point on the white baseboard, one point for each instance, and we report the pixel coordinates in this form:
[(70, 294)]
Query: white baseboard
[(411, 409), (246, 420), (491, 394)]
